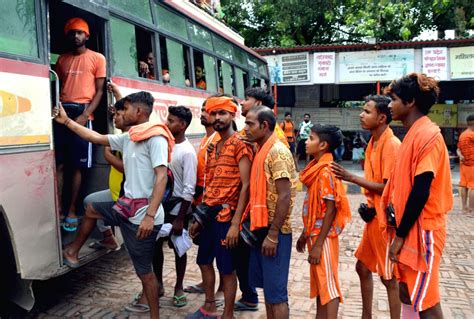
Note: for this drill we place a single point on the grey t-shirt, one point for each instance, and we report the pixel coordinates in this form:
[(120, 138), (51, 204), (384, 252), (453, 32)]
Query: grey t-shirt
[(139, 160)]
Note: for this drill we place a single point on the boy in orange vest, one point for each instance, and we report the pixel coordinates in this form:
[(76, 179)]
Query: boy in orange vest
[(325, 213)]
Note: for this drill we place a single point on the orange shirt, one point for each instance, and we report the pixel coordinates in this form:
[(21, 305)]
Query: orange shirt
[(466, 146), (201, 156), (201, 84), (77, 74), (223, 175), (288, 128), (437, 162)]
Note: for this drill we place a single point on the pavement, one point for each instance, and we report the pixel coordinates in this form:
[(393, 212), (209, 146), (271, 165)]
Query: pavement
[(102, 288)]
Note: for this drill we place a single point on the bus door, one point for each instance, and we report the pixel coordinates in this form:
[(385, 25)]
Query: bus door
[(95, 178)]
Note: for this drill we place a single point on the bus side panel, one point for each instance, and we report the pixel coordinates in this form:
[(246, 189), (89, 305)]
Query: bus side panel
[(27, 194)]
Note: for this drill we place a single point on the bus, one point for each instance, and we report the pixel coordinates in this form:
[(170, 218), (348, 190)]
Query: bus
[(181, 39)]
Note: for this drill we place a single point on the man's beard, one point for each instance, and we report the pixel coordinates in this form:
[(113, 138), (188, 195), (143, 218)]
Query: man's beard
[(306, 121), (222, 127)]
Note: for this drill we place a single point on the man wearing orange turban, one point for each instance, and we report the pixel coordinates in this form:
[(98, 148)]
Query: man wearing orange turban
[(82, 75)]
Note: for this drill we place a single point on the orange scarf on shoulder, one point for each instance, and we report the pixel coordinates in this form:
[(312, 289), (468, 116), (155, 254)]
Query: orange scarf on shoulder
[(147, 130), (310, 177), (257, 206), (418, 143)]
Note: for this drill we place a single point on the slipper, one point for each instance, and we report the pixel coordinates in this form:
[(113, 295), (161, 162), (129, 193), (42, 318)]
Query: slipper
[(99, 245), (180, 301), (202, 314), (219, 302), (70, 224), (240, 306), (137, 307), (70, 264), (194, 289)]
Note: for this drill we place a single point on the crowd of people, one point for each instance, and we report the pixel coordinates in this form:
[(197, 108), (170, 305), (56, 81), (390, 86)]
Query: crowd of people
[(234, 198)]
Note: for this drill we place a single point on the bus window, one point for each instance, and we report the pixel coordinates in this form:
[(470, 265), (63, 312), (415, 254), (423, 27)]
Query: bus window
[(137, 8), (18, 28), (199, 71), (226, 80), (170, 21), (174, 59), (131, 50), (257, 82), (241, 79), (210, 72)]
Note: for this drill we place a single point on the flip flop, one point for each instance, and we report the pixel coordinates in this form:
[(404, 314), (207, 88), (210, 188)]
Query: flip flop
[(70, 224), (180, 301), (70, 264), (137, 307), (194, 289), (99, 245), (240, 306), (202, 314)]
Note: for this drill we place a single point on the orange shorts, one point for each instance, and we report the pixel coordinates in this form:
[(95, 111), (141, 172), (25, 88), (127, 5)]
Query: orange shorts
[(373, 251), (324, 277), (467, 176), (423, 287)]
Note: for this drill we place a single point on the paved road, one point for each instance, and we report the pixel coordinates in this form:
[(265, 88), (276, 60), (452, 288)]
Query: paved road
[(102, 288)]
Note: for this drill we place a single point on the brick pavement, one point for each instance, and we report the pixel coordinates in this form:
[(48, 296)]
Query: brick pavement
[(102, 288)]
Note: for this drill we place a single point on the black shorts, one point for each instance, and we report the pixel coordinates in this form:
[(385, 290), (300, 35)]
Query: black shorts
[(301, 148), (140, 251), (69, 148), (292, 147)]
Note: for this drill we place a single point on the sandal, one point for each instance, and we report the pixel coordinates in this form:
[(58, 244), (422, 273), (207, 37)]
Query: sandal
[(241, 306), (99, 245), (202, 314), (194, 289), (180, 301), (70, 224), (137, 307)]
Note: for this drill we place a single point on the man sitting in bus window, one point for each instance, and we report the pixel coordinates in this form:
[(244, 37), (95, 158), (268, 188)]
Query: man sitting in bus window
[(82, 75), (166, 76), (147, 67), (200, 78)]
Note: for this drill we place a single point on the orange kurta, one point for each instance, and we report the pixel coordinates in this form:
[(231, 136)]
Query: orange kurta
[(380, 161), (466, 146), (323, 185), (289, 130), (423, 150)]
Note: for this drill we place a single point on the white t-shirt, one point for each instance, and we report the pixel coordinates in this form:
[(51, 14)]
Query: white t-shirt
[(139, 161), (184, 167)]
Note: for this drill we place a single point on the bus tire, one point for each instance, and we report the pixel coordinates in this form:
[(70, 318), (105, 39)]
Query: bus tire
[(16, 294)]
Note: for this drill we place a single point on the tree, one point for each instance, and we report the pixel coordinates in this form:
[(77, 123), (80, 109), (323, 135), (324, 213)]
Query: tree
[(288, 23)]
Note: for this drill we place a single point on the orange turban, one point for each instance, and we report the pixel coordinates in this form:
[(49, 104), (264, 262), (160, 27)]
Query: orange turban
[(221, 103), (76, 24)]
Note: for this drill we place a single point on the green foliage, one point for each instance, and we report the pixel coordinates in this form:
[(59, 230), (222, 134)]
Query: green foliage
[(287, 23)]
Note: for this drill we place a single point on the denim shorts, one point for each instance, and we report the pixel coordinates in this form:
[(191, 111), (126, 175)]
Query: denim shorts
[(271, 273), (140, 251)]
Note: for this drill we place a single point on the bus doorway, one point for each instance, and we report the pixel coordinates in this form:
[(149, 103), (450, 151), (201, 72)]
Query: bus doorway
[(95, 178)]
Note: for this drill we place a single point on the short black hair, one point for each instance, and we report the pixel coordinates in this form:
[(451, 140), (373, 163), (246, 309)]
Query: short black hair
[(287, 113), (418, 87), (309, 115), (470, 118), (381, 103), (181, 112), (261, 95), (119, 105), (264, 114), (328, 133), (143, 98)]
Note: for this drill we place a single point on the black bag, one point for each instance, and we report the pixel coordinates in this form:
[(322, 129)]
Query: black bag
[(170, 203), (253, 238), (203, 213), (390, 213), (366, 213)]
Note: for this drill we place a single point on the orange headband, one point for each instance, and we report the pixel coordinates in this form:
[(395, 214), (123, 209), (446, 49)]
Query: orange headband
[(223, 103), (76, 24)]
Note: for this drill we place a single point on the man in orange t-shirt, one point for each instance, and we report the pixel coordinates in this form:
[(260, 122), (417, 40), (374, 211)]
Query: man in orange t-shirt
[(227, 176), (82, 74), (466, 158), (417, 197), (382, 151)]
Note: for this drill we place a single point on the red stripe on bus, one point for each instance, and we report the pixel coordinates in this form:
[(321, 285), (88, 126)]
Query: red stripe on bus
[(157, 87), (25, 68)]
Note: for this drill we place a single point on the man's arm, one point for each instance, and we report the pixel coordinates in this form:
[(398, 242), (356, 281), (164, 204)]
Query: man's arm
[(345, 175), (233, 233), (283, 188), (461, 157), (83, 132), (146, 226), (113, 160), (315, 253)]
